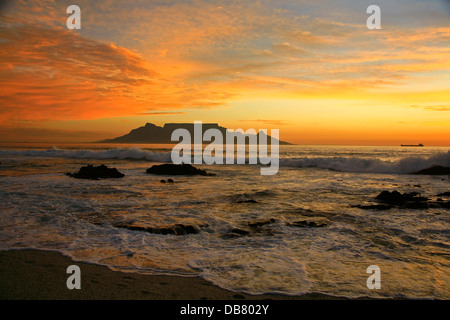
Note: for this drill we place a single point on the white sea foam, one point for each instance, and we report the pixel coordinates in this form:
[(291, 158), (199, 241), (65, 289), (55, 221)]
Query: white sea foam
[(365, 165), (117, 153), (44, 209), (345, 164)]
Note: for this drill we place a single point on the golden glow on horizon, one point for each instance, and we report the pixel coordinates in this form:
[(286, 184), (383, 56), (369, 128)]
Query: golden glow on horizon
[(318, 80)]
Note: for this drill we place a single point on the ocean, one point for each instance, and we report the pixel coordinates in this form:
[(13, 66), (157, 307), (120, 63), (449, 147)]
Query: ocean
[(249, 241)]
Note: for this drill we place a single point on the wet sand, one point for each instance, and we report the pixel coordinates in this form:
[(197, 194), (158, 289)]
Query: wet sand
[(41, 275)]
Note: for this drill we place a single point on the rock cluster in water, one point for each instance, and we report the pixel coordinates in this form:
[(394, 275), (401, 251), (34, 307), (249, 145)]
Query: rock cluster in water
[(411, 200), (177, 169), (96, 173), (249, 228), (435, 170)]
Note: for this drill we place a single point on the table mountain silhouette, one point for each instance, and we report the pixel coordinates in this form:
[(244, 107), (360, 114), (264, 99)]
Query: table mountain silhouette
[(151, 133)]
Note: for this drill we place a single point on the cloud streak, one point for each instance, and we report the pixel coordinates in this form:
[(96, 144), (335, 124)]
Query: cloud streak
[(432, 108), (161, 58)]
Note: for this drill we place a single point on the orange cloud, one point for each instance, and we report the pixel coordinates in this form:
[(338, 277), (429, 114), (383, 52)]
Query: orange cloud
[(157, 113), (54, 74), (433, 108), (50, 73), (208, 55)]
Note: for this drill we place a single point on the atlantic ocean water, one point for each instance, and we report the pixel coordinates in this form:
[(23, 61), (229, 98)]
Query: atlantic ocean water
[(250, 238)]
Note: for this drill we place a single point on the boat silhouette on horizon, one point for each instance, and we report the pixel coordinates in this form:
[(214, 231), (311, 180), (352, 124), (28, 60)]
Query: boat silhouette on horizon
[(412, 145)]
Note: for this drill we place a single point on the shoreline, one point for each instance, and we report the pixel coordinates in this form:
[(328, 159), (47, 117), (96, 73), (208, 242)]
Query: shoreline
[(31, 274)]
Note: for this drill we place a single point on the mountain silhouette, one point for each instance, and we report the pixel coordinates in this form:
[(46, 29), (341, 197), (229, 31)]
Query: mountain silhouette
[(151, 133)]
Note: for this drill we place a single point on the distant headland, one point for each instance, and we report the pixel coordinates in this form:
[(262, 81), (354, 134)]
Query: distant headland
[(151, 133)]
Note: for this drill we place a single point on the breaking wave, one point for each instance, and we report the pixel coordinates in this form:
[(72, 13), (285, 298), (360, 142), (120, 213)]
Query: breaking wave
[(345, 164), (117, 153), (364, 165)]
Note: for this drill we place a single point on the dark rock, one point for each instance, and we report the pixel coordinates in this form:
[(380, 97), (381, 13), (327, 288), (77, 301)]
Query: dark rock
[(170, 181), (416, 205), (387, 196), (414, 196), (307, 224), (444, 194), (446, 205), (176, 229), (439, 204), (411, 200), (163, 181), (177, 169), (398, 198), (95, 173), (247, 201), (435, 170), (241, 232), (260, 223)]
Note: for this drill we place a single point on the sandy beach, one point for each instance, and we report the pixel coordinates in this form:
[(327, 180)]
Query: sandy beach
[(41, 275)]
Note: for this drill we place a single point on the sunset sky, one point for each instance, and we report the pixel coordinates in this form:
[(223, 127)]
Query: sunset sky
[(311, 69)]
